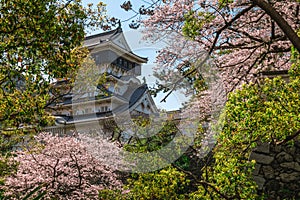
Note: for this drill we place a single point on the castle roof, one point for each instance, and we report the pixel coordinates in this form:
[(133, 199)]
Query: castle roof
[(132, 100), (102, 37), (115, 39)]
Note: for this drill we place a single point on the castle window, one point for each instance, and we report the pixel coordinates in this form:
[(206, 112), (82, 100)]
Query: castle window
[(97, 58), (143, 106), (125, 63), (119, 61), (109, 70)]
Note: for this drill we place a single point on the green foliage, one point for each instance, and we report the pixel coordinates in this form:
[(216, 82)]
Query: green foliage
[(167, 183), (107, 194), (223, 3), (264, 112), (165, 134), (40, 42), (193, 77), (267, 112), (183, 162), (157, 145), (194, 21), (89, 77), (295, 58)]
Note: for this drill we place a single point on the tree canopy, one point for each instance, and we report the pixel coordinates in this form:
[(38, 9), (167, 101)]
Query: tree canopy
[(40, 43), (243, 39), (63, 168)]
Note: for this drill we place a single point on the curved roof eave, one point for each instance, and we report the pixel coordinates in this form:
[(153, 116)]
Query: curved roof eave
[(112, 46), (104, 35), (106, 39)]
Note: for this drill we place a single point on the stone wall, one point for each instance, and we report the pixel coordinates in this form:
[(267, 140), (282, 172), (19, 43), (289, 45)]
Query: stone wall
[(277, 170)]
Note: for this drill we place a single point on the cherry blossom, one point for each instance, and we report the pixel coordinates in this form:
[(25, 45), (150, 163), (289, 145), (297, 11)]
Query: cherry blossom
[(239, 39), (252, 43), (63, 168)]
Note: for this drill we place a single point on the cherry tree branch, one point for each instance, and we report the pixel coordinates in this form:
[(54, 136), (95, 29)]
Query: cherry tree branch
[(282, 23), (218, 33), (212, 48)]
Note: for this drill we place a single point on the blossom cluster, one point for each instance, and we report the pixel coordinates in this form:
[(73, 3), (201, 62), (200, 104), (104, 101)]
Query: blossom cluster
[(240, 37), (63, 168)]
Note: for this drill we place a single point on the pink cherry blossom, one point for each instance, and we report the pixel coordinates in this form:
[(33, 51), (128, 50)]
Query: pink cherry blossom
[(63, 168), (252, 43)]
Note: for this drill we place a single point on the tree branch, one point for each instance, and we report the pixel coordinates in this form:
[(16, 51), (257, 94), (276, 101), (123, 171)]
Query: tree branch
[(212, 48), (205, 184), (282, 23), (288, 138)]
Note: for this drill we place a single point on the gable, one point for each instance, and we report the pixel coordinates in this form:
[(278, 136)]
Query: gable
[(120, 41), (145, 105)]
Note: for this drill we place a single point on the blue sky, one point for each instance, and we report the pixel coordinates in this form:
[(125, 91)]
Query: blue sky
[(114, 9), (142, 48)]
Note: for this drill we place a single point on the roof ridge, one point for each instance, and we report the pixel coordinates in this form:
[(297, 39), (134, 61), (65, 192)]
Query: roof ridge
[(111, 32)]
